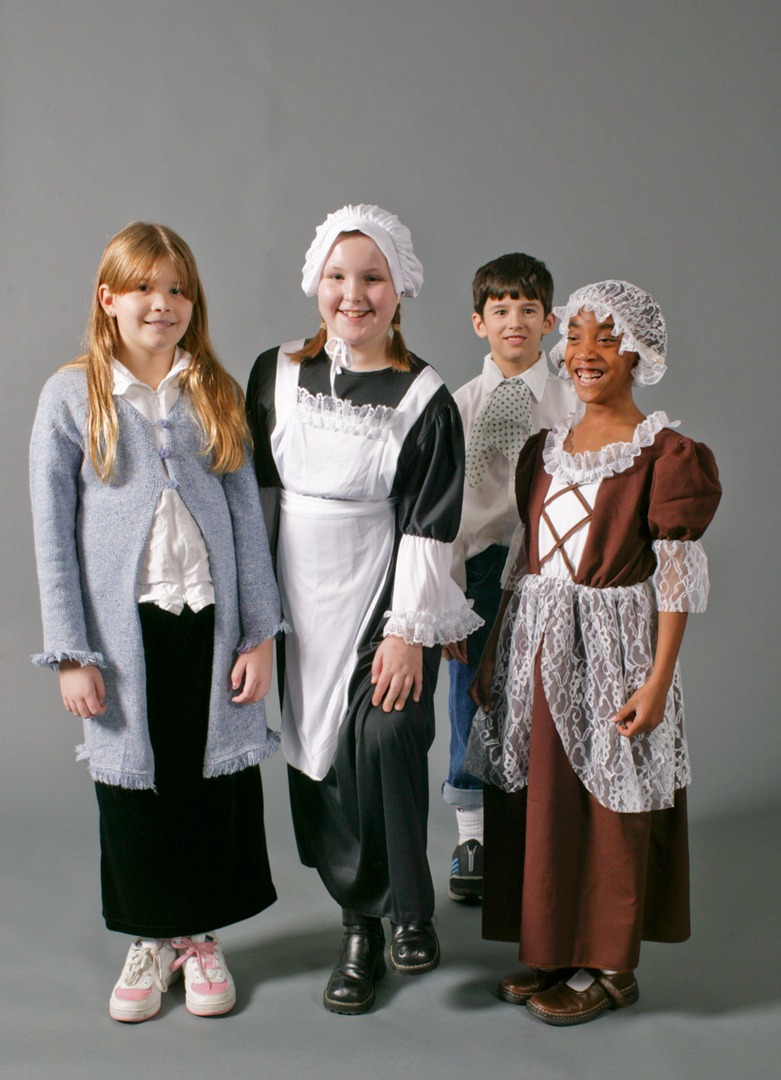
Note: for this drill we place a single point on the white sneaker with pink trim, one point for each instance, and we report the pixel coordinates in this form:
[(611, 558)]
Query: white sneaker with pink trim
[(147, 974), (209, 987)]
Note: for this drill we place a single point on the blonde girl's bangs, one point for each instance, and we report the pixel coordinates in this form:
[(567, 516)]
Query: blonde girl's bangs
[(143, 252)]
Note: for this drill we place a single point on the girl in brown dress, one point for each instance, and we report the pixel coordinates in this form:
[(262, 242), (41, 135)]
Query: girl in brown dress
[(580, 736)]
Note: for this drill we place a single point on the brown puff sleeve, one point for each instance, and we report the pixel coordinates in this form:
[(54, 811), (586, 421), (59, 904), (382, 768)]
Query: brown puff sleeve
[(685, 492)]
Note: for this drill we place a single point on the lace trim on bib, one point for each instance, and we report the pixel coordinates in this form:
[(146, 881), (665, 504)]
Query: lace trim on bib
[(334, 414), (594, 465)]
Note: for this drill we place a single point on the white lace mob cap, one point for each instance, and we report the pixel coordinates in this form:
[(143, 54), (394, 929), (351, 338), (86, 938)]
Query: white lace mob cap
[(636, 315), (392, 238)]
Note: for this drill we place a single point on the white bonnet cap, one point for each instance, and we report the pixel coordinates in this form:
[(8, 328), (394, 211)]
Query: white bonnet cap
[(392, 238), (636, 315)]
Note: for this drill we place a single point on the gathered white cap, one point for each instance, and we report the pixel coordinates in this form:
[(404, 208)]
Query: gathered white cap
[(636, 316), (392, 238)]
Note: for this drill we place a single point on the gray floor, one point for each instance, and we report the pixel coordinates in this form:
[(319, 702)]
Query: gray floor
[(711, 1007)]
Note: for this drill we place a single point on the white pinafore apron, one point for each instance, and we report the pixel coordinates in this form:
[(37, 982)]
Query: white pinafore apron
[(337, 463)]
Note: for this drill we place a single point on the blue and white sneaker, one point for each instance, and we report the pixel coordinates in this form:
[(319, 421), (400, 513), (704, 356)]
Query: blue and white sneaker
[(466, 873)]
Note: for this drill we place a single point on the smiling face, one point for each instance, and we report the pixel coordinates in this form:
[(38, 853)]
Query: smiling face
[(152, 317), (357, 299), (601, 374), (514, 329)]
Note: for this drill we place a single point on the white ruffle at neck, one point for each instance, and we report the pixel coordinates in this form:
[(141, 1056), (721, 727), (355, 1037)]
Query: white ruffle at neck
[(594, 465)]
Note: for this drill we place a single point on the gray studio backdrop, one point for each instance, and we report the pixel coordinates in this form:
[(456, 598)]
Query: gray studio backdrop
[(625, 139)]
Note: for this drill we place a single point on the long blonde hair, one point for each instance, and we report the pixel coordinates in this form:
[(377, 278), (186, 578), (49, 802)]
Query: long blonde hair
[(137, 253)]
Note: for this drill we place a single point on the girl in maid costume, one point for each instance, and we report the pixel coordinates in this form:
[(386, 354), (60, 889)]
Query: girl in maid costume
[(359, 456)]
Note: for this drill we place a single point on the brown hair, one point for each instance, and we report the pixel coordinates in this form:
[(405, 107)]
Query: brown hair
[(514, 275), (137, 253)]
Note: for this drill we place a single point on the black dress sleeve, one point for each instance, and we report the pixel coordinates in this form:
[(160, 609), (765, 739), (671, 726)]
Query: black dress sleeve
[(430, 474), (261, 417)]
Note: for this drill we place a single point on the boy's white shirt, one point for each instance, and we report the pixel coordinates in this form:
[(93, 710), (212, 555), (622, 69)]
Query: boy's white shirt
[(489, 514)]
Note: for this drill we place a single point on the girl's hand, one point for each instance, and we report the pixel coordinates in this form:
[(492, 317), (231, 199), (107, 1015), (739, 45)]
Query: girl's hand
[(455, 650), (82, 688), (252, 673), (644, 710), (480, 687), (397, 668)]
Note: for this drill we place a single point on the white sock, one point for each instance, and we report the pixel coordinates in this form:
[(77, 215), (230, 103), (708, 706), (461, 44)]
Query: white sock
[(150, 943), (582, 979), (470, 823)]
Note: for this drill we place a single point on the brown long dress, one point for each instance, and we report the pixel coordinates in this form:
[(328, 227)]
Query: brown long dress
[(576, 883)]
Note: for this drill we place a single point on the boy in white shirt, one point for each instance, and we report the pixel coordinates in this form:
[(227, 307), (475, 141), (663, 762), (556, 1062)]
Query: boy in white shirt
[(515, 396)]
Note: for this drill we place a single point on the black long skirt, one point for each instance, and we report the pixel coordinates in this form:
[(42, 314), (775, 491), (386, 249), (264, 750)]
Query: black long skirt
[(364, 826), (190, 856)]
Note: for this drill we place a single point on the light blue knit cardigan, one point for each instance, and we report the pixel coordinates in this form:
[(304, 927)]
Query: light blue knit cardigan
[(90, 538)]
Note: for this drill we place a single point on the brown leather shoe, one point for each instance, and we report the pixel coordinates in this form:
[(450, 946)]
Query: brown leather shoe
[(563, 1006), (519, 987)]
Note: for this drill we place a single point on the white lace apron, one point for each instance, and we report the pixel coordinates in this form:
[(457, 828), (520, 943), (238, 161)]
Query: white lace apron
[(337, 463)]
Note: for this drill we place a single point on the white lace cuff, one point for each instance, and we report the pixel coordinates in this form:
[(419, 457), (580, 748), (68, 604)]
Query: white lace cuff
[(515, 564), (681, 577), (425, 628), (428, 607)]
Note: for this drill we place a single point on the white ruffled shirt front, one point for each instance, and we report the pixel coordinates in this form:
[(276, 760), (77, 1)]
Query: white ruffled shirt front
[(175, 569)]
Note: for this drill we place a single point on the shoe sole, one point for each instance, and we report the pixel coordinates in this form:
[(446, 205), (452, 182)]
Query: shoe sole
[(349, 1008), (128, 1018), (210, 1010), (556, 1020), (509, 996), (467, 897)]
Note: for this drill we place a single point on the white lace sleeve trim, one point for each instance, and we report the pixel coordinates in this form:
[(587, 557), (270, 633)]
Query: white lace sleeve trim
[(425, 628), (594, 465), (681, 579), (427, 607)]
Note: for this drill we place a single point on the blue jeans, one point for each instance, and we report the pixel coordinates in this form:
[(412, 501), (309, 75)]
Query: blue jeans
[(483, 586)]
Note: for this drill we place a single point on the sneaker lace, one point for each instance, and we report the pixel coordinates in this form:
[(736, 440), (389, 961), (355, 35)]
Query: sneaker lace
[(144, 959), (204, 953)]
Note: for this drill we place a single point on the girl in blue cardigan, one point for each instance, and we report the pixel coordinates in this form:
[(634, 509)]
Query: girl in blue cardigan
[(159, 610)]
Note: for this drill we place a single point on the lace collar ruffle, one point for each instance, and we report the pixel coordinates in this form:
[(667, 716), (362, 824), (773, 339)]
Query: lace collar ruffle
[(594, 465), (337, 414)]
